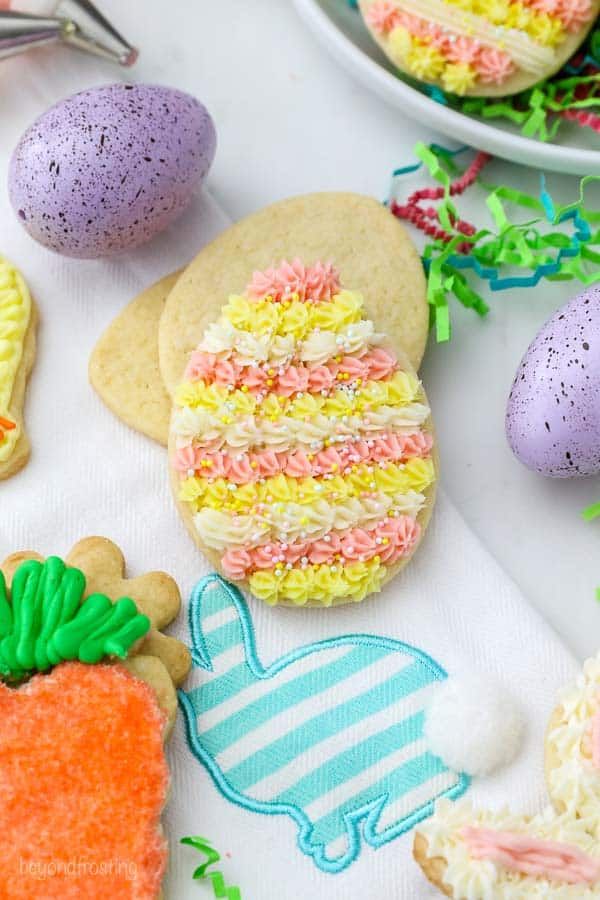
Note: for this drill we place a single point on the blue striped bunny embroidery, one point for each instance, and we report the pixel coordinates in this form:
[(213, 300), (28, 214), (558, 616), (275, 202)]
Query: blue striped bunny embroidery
[(330, 735)]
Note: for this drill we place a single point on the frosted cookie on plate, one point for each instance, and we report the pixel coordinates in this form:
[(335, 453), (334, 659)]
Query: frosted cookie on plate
[(301, 444), (480, 48)]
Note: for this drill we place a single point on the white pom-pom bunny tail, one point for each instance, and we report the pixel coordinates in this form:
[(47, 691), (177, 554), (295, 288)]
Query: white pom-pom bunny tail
[(473, 725)]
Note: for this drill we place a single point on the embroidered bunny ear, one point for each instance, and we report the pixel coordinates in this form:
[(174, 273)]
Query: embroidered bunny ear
[(217, 622), (473, 725)]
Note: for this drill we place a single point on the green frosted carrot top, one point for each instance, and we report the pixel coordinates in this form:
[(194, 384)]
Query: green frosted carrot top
[(45, 620)]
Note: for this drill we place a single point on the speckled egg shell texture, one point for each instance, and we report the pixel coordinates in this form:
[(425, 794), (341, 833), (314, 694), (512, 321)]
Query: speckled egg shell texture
[(107, 169), (553, 413)]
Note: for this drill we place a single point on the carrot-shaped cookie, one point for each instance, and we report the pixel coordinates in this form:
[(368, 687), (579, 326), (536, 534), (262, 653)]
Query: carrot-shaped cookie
[(87, 698)]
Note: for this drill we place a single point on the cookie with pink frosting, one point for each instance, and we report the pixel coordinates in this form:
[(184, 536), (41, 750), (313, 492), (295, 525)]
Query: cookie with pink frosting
[(301, 447), (473, 854), (482, 48)]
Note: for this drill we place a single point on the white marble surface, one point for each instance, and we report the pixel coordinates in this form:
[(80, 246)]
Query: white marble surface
[(289, 121)]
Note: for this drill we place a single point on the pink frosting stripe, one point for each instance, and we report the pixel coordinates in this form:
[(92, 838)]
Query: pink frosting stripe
[(313, 284), (248, 467), (375, 365), (532, 856), (391, 539)]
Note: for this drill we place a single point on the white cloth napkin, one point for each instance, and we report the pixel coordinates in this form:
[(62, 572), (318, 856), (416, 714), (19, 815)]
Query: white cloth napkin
[(89, 474)]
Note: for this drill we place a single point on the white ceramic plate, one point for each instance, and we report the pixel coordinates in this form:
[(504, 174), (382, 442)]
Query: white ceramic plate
[(341, 30)]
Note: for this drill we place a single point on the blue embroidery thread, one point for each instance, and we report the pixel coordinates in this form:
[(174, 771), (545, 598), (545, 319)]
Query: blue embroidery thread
[(360, 813)]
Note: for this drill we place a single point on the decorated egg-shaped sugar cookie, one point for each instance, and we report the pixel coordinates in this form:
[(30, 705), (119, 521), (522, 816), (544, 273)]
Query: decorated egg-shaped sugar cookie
[(300, 445), (479, 47)]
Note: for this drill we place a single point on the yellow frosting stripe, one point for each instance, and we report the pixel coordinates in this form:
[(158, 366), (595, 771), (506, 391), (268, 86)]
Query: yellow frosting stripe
[(401, 389), (531, 47), (324, 584), (15, 314), (543, 28), (389, 479), (293, 316)]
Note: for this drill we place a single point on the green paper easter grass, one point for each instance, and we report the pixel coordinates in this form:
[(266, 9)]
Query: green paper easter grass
[(588, 515), (554, 243), (541, 111), (572, 95), (591, 512), (220, 888)]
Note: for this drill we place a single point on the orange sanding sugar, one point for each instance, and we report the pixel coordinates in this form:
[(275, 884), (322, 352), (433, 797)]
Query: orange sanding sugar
[(83, 781)]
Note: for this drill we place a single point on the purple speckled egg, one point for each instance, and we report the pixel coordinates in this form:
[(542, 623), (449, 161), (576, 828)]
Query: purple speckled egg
[(105, 170), (553, 413)]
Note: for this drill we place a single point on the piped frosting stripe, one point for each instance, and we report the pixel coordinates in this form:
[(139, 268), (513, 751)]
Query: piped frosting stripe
[(286, 432), (321, 583), (242, 468), (390, 539), (345, 400), (308, 283), (286, 522), (254, 497), (293, 316), (248, 348), (374, 365)]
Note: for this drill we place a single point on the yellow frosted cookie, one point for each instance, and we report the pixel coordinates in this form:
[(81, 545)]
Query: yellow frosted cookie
[(301, 446), (483, 48), (17, 354)]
